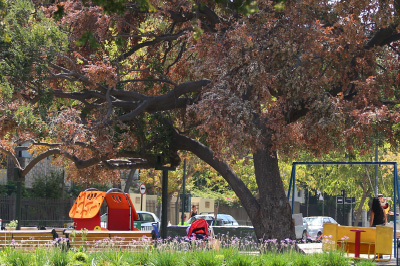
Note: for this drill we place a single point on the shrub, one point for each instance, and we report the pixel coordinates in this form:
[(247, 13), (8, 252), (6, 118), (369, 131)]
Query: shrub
[(13, 223), (333, 258), (79, 259)]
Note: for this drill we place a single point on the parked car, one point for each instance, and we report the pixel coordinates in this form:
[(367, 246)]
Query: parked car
[(146, 219), (301, 231), (227, 220), (222, 219), (208, 217), (316, 225)]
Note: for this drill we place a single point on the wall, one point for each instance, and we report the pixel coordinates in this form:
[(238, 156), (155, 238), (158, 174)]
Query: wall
[(41, 169), (149, 202), (239, 213)]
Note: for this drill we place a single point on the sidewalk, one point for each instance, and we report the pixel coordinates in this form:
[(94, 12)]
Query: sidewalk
[(310, 248), (392, 262)]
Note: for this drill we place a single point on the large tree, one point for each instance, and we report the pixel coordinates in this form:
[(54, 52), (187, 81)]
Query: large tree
[(121, 81)]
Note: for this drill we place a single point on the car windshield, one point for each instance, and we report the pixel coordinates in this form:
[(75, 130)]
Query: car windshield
[(147, 217), (314, 221), (227, 219), (209, 218)]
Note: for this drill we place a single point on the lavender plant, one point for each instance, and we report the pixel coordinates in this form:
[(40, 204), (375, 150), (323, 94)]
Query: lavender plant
[(176, 252)]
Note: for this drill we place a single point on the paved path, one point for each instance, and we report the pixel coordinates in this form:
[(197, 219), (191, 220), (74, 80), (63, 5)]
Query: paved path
[(310, 248)]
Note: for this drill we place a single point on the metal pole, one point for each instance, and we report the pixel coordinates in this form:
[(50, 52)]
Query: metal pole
[(293, 186), (323, 190), (183, 192), (336, 208), (164, 204), (344, 195), (351, 205), (308, 199), (396, 193), (290, 182), (376, 169), (19, 197), (292, 176)]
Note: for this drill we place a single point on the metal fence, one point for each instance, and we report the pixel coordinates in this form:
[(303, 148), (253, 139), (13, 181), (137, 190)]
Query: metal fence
[(36, 211)]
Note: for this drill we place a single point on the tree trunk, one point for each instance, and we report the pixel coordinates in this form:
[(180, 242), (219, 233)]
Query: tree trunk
[(366, 191), (275, 217), (129, 180), (271, 214)]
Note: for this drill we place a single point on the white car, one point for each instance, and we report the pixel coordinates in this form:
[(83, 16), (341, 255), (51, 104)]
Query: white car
[(301, 231), (222, 219), (145, 218), (227, 220), (316, 225)]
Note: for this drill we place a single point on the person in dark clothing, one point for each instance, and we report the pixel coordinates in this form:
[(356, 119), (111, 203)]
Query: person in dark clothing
[(194, 211), (378, 216)]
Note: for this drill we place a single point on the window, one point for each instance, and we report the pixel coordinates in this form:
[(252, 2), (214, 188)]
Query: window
[(147, 217)]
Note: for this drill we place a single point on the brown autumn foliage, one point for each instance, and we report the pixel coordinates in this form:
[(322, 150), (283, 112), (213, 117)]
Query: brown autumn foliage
[(160, 77)]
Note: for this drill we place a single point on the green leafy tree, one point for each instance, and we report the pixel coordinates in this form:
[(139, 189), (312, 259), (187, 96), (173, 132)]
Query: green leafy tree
[(112, 89), (49, 186)]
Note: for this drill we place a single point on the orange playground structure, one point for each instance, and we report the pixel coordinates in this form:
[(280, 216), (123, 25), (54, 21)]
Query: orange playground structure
[(86, 210)]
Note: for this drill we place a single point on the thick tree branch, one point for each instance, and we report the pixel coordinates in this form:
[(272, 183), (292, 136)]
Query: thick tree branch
[(392, 38), (209, 15), (38, 158), (12, 156), (147, 80), (109, 103), (381, 37), (127, 159), (181, 142), (159, 102), (81, 164), (82, 97), (140, 109)]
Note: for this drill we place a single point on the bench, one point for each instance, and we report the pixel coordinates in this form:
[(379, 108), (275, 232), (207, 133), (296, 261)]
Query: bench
[(131, 239), (25, 228), (59, 230), (94, 240), (5, 238), (27, 239), (374, 241)]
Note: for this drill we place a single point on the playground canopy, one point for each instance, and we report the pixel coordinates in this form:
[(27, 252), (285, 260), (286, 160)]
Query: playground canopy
[(86, 210)]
